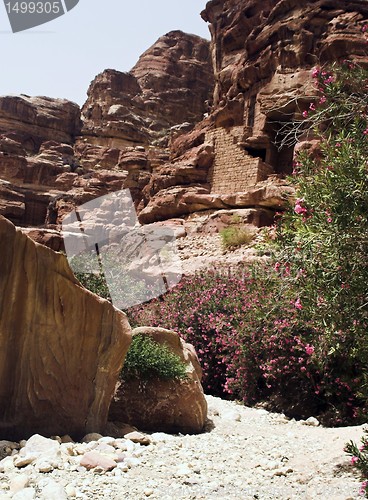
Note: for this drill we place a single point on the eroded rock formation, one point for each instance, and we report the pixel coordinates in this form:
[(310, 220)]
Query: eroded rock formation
[(164, 405), (171, 84), (49, 164), (61, 347), (262, 54), (33, 120), (144, 131)]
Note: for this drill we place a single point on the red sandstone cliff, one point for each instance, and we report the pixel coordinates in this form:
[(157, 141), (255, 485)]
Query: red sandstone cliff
[(171, 84), (262, 55), (51, 160)]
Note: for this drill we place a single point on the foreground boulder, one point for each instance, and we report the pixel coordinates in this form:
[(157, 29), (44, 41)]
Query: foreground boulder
[(164, 405), (61, 347)]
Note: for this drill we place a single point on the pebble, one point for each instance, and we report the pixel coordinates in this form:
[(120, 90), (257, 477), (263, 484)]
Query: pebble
[(312, 421), (249, 453), (92, 460), (138, 437), (70, 491), (18, 483), (25, 494)]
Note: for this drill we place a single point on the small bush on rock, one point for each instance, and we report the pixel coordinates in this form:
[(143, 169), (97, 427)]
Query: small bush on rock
[(233, 237), (147, 359)]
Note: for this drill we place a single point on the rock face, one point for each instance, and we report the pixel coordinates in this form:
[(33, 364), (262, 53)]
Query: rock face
[(49, 165), (262, 54), (180, 200), (164, 405), (61, 347), (171, 84), (33, 120), (176, 78), (144, 131)]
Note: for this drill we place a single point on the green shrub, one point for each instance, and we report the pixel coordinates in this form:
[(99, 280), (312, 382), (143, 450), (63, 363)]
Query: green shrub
[(322, 240), (112, 281), (147, 359), (234, 237), (94, 282), (359, 459)]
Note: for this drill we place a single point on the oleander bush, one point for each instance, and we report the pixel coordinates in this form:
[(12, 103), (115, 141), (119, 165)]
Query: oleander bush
[(359, 459), (322, 240), (254, 345)]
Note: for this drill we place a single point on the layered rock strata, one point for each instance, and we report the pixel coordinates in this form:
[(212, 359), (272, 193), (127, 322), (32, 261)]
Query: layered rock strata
[(171, 84), (262, 56)]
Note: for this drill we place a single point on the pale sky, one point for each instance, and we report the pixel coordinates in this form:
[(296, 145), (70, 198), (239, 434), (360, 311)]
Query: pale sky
[(60, 58)]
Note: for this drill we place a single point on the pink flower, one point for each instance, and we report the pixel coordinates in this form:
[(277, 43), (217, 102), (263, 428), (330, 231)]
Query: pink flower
[(298, 304), (277, 266), (309, 349), (312, 107), (323, 99), (299, 209), (365, 131), (354, 460), (365, 28), (316, 71), (363, 488), (305, 114)]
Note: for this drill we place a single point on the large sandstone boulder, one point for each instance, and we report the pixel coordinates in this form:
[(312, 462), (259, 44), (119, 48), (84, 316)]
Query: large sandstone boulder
[(164, 405), (61, 347)]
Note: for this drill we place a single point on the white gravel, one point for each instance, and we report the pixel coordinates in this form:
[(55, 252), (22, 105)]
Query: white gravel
[(248, 454)]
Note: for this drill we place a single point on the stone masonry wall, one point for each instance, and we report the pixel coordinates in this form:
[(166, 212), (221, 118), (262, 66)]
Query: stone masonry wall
[(234, 170)]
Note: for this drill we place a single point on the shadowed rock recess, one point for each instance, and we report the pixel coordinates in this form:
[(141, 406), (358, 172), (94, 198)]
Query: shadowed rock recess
[(61, 347)]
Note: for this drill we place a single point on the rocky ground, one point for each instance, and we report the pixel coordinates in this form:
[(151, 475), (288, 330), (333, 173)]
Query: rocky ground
[(199, 251), (245, 454)]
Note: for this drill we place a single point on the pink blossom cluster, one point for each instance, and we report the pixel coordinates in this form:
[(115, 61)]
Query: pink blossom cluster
[(363, 488), (246, 352), (299, 207)]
